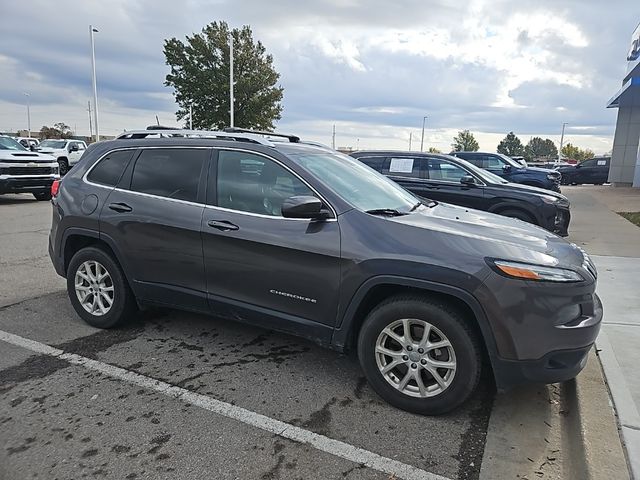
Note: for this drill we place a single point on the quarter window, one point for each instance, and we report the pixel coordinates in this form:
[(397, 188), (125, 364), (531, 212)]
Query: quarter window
[(109, 170), (255, 184), (169, 172)]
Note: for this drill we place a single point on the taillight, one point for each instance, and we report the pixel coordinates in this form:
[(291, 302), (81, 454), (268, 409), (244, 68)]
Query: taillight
[(55, 186)]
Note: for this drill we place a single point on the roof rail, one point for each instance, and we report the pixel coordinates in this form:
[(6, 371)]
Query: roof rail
[(291, 138), (165, 132)]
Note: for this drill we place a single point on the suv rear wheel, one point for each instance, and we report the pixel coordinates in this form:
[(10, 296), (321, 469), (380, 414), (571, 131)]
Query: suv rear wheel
[(419, 355), (63, 166), (98, 289)]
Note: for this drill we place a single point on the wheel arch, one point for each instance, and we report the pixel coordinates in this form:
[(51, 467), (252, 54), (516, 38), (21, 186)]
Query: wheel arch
[(500, 207), (377, 289)]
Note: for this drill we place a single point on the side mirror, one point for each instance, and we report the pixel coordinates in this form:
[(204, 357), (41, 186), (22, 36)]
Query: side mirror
[(32, 147), (73, 148), (303, 206), (506, 168), (578, 165), (467, 180)]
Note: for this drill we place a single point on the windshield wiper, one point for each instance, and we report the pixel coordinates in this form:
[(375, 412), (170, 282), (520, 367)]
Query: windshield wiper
[(386, 211)]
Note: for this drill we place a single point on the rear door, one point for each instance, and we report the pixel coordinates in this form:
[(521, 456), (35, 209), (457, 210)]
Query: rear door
[(601, 174), (153, 218), (408, 171), (258, 261)]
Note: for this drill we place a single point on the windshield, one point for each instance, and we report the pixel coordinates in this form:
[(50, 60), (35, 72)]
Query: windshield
[(358, 184), (7, 143), (485, 175), (53, 144)]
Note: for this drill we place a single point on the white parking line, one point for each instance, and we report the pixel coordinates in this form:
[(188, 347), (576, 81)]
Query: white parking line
[(320, 442)]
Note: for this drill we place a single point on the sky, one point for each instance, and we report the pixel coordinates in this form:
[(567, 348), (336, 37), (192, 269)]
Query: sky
[(372, 68)]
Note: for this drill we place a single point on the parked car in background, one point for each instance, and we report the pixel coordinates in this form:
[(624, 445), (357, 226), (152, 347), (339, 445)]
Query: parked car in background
[(521, 161), (453, 180), (29, 143), (303, 239), (595, 170), (512, 171), (24, 171), (66, 151)]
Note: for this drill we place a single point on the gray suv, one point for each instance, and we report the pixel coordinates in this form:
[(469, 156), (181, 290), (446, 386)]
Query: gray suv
[(299, 238)]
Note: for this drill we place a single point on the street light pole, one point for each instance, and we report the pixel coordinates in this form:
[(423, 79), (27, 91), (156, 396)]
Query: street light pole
[(231, 76), (191, 116), (561, 142), (422, 138), (410, 135), (28, 113), (93, 77)]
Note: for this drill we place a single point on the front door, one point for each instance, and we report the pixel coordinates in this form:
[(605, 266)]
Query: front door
[(154, 219), (259, 265), (443, 181)]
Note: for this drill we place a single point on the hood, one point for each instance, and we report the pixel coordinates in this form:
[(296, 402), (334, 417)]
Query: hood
[(540, 170), (15, 156), (49, 150), (533, 190), (493, 235)]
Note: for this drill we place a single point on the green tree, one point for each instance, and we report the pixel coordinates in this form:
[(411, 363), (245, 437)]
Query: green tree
[(200, 78), (576, 153), (434, 150), (59, 130), (511, 145), (540, 148), (465, 142)]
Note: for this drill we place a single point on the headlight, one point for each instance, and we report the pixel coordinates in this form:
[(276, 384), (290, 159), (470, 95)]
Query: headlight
[(553, 176), (525, 271), (549, 199)]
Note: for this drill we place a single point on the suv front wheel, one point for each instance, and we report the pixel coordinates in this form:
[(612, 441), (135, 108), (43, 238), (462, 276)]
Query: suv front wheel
[(98, 289), (419, 355)]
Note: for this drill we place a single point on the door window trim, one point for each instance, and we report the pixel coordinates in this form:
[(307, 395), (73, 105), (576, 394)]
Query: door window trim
[(277, 217)]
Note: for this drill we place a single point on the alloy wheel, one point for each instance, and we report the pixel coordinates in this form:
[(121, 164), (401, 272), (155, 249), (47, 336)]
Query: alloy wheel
[(94, 288), (416, 358)]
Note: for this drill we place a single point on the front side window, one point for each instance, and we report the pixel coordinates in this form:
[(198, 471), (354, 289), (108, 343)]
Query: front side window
[(357, 184), (492, 161), (109, 170), (169, 172), (254, 184), (446, 171), (588, 163)]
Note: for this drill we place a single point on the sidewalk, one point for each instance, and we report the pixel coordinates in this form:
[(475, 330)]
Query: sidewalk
[(614, 244)]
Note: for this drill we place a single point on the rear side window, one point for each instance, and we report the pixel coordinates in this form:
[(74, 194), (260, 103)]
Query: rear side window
[(169, 172), (109, 170), (373, 162), (406, 167)]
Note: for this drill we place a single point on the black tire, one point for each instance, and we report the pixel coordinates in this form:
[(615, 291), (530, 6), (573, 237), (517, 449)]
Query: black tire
[(124, 304), (63, 166), (41, 196), (441, 316), (519, 214)]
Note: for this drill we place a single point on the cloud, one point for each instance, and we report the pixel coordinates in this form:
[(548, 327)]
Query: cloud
[(375, 70)]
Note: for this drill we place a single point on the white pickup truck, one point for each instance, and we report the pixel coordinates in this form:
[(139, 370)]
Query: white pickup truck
[(66, 151), (23, 171)]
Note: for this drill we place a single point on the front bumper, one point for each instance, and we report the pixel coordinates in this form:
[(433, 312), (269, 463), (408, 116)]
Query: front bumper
[(26, 183), (554, 367)]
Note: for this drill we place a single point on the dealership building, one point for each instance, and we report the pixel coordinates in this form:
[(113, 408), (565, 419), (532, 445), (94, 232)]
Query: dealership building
[(625, 159)]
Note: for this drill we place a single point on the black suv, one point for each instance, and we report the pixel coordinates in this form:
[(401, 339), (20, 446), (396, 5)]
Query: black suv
[(448, 179), (302, 239), (595, 170), (512, 171)]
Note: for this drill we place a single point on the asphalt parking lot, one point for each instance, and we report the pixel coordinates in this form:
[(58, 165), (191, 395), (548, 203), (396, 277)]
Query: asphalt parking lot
[(196, 408)]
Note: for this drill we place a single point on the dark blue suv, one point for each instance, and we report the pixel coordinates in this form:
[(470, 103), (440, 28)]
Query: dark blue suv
[(513, 171)]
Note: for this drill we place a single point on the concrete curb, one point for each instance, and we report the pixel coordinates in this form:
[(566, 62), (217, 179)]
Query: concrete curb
[(555, 431), (625, 406)]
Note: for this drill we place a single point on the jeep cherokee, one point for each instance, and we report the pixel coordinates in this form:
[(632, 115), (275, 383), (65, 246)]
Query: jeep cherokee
[(299, 238)]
